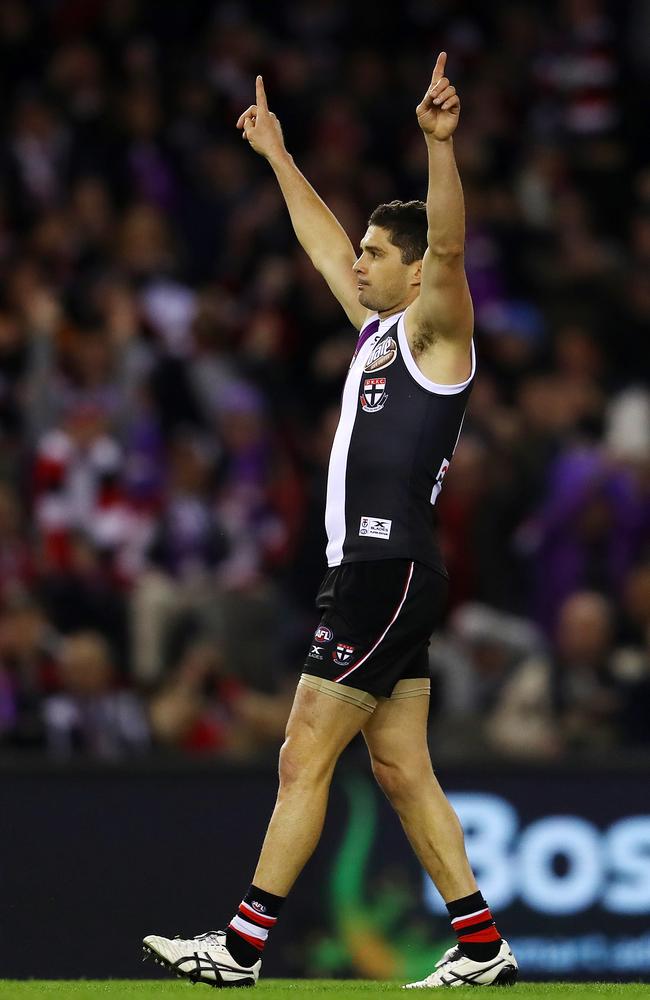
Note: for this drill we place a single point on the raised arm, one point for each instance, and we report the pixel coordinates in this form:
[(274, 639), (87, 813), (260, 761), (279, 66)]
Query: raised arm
[(441, 318), (319, 232)]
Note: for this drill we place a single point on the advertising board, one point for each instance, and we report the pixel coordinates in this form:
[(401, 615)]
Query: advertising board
[(97, 855)]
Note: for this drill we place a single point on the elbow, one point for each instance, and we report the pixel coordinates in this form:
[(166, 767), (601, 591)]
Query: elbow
[(446, 251)]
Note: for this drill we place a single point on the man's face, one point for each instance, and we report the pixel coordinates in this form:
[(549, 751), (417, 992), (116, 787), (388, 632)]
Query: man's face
[(584, 629), (384, 283)]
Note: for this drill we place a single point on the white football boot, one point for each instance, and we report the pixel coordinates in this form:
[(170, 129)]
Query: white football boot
[(203, 959), (455, 969)]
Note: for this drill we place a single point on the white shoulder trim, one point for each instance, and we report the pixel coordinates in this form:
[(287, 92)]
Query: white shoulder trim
[(389, 321), (420, 377)]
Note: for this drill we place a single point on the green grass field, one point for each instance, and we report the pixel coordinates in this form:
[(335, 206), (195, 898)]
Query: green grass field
[(283, 989)]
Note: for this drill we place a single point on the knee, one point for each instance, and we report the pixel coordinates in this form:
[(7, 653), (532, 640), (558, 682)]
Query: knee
[(290, 767), (301, 763), (398, 782)]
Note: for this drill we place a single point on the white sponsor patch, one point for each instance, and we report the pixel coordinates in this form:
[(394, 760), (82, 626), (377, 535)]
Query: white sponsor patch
[(382, 356), (375, 527)]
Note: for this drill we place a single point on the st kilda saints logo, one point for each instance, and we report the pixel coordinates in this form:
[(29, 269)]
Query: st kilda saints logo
[(382, 355), (343, 653), (374, 394)]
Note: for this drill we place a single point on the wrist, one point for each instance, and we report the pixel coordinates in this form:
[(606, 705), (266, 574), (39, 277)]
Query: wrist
[(279, 159), (431, 140)]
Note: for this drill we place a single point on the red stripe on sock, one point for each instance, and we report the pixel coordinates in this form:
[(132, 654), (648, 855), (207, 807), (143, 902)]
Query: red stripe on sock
[(248, 913), (251, 940), (489, 934), (478, 918)]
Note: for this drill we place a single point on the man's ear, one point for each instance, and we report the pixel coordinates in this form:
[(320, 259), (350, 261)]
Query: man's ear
[(417, 273)]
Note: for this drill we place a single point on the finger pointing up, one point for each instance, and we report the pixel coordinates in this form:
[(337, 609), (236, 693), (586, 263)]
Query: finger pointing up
[(260, 94), (438, 69)]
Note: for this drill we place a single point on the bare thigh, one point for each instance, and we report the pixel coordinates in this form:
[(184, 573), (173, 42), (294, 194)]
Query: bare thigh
[(396, 733), (319, 728)]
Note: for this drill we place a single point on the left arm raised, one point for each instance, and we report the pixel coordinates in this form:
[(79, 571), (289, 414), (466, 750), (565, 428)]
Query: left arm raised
[(443, 311)]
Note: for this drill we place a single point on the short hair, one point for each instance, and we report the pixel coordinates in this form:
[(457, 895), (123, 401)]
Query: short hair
[(406, 223)]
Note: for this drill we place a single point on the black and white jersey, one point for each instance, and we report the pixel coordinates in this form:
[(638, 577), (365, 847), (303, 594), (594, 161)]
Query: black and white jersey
[(393, 445)]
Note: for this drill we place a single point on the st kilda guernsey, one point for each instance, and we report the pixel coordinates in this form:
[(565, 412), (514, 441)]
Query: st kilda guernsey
[(393, 445)]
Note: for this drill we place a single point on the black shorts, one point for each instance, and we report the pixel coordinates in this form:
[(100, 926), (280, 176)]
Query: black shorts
[(376, 621)]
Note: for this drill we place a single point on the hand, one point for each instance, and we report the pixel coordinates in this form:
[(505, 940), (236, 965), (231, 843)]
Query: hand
[(260, 127), (439, 109)]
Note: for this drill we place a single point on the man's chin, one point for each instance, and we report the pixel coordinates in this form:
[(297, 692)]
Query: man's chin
[(367, 301)]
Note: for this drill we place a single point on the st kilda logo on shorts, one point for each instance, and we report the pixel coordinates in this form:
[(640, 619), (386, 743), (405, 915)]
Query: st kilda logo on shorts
[(343, 653), (374, 394), (382, 355)]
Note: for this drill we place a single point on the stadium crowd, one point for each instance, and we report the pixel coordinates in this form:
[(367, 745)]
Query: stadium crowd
[(170, 365)]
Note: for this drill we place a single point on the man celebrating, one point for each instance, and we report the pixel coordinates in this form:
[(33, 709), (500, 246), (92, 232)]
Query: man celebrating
[(385, 589)]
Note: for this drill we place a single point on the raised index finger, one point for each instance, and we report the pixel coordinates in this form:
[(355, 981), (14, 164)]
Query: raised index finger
[(439, 68), (260, 94)]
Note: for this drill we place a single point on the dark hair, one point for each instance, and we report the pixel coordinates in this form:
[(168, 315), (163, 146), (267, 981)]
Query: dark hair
[(406, 223)]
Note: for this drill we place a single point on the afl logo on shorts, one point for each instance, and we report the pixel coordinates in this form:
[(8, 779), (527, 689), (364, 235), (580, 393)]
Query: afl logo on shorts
[(374, 394), (323, 634), (382, 356), (343, 653)]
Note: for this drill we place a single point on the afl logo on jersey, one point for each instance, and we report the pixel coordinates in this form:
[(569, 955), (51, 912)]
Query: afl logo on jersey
[(382, 356), (374, 394)]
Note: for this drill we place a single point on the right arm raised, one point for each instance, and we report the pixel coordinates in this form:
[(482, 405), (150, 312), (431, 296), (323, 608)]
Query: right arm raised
[(319, 232)]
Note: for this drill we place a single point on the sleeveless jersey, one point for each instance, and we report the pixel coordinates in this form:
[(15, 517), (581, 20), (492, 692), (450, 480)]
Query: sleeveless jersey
[(395, 439)]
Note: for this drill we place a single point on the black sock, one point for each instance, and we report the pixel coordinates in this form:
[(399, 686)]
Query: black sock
[(248, 930), (475, 929)]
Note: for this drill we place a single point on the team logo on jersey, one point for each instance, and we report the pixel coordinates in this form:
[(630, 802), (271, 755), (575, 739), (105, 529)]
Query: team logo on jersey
[(343, 653), (374, 394), (382, 356), (323, 634), (375, 527), (316, 652)]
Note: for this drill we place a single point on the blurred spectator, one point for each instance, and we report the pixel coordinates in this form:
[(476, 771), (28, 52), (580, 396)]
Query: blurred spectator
[(16, 555), (195, 708), (171, 364), (187, 546), (77, 486), (589, 529), (472, 663), (635, 607), (89, 715), (203, 708), (82, 595), (569, 699), (29, 649)]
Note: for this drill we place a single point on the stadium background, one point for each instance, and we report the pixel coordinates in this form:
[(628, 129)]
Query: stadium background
[(170, 368)]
